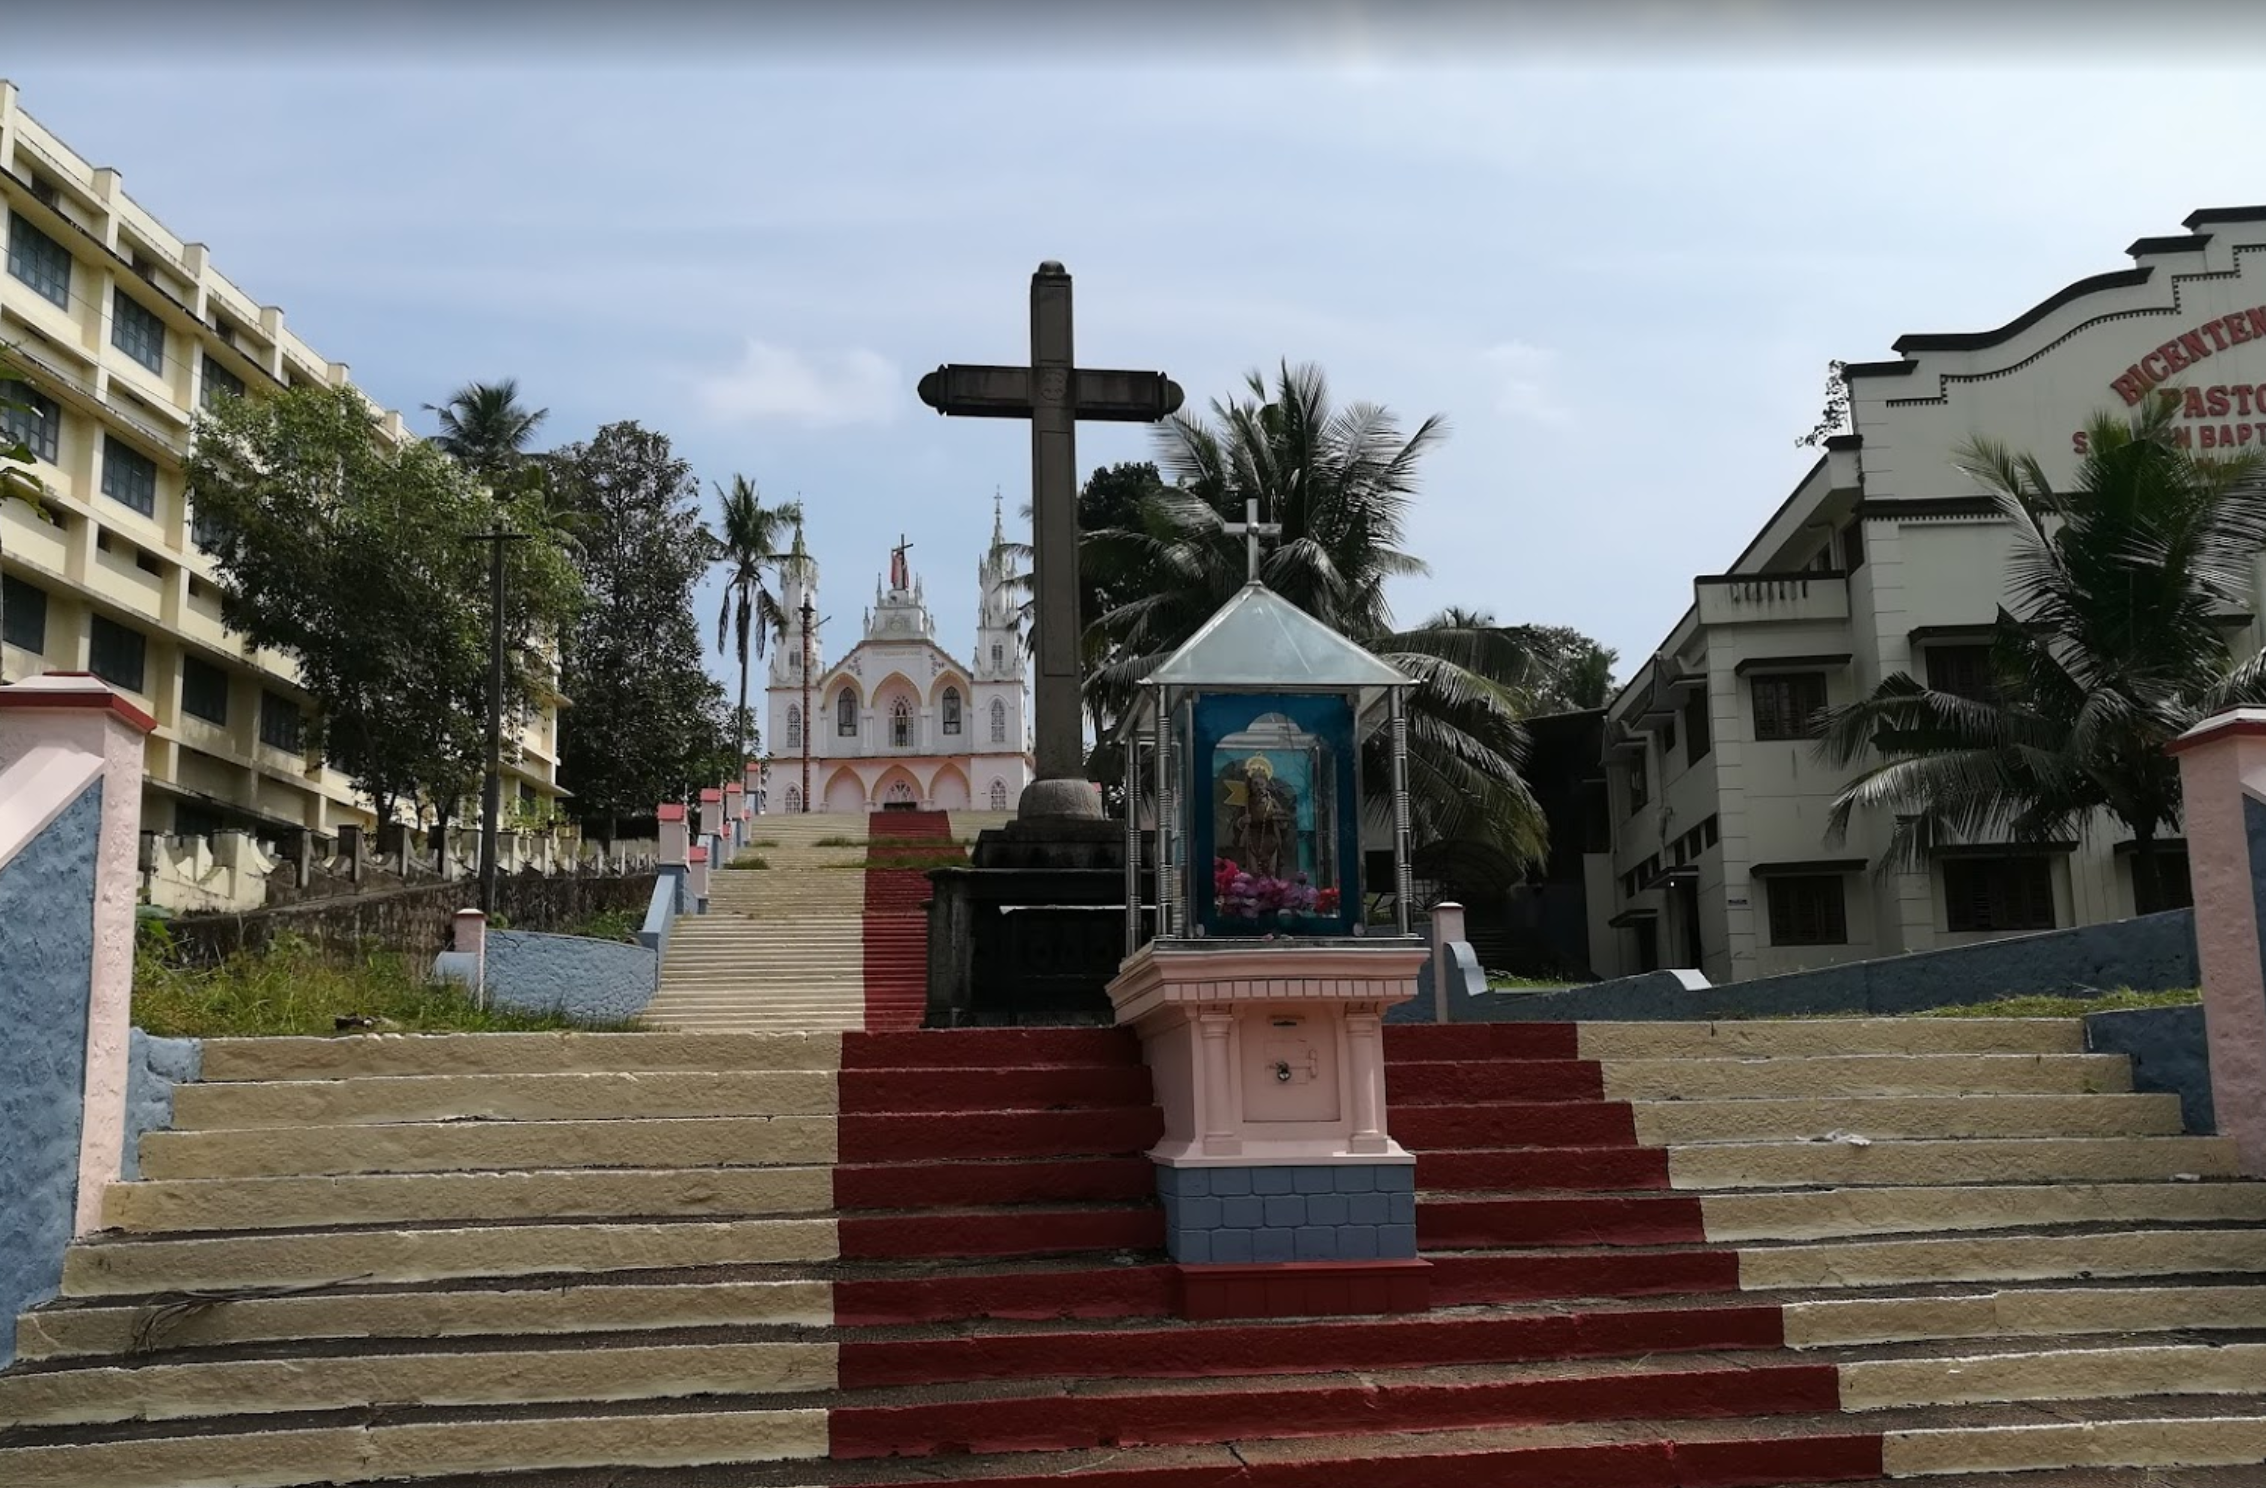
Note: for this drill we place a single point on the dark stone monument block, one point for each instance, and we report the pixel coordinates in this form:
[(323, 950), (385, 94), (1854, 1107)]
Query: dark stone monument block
[(1032, 931)]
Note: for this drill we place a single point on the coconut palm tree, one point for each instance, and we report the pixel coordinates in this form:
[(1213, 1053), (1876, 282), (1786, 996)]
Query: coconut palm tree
[(1338, 481), (2113, 643), (486, 428), (747, 547)]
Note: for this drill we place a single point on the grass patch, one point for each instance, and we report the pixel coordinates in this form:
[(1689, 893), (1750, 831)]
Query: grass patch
[(764, 842), (608, 924), (1503, 981), (288, 988), (2124, 999), (749, 860)]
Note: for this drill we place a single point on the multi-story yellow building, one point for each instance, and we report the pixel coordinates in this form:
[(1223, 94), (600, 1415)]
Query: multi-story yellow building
[(124, 331)]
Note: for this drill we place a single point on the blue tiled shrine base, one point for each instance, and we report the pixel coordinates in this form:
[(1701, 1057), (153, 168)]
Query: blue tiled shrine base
[(1348, 1212)]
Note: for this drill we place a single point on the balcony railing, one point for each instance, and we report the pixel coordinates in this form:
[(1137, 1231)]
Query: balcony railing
[(1752, 599)]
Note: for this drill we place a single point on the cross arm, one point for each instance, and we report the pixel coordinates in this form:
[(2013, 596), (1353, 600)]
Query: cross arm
[(979, 392), (1096, 394)]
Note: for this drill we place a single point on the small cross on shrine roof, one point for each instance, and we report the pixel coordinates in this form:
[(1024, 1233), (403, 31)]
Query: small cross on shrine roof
[(1253, 532)]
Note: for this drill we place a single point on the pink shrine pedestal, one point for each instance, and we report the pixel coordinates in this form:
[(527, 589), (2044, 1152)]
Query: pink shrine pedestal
[(1284, 1191)]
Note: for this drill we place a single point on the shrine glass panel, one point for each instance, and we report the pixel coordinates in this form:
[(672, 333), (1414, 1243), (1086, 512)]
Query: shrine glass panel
[(1272, 825)]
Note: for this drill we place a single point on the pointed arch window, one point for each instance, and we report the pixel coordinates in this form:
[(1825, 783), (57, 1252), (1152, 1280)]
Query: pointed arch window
[(998, 721), (900, 724), (794, 801), (952, 710), (998, 657), (794, 726), (999, 795), (846, 714)]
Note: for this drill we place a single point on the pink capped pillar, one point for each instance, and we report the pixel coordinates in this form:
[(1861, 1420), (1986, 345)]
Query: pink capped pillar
[(735, 814), (2222, 768), (62, 735)]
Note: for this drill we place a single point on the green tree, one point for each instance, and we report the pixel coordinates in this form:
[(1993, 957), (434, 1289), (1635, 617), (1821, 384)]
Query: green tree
[(649, 723), (1339, 482), (748, 548), (2111, 645), (486, 429), (1564, 670), (351, 555)]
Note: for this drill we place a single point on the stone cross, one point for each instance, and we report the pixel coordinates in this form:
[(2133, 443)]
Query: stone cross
[(1053, 392), (1252, 531)]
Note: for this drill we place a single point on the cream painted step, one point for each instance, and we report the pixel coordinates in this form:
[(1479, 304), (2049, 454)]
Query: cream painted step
[(508, 1053), (2114, 1373), (421, 1098), (495, 1146), (240, 1262), (1681, 1122), (2137, 1440), (532, 1310), (1828, 1213), (1832, 1036), (1974, 1160), (2048, 1258), (167, 1392), (1866, 1075), (362, 1454), (2025, 1313), (213, 1204)]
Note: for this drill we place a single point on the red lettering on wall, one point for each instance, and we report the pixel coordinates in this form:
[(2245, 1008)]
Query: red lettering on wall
[(2238, 327), (2154, 376), (2257, 320), (2184, 437), (2191, 403), (2215, 400), (2131, 386), (2209, 440), (2174, 358), (2078, 441), (2192, 344), (2218, 337), (2242, 398)]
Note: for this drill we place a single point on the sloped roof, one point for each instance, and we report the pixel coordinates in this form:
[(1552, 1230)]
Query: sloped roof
[(1260, 639)]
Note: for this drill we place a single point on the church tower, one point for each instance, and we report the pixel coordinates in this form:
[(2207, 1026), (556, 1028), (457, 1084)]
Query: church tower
[(999, 663), (784, 721)]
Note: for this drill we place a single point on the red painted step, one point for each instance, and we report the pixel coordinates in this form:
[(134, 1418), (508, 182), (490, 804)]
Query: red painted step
[(1459, 1082), (955, 1185), (896, 929), (1009, 1232), (1316, 1347), (1039, 1087), (1765, 1462), (1473, 1224), (1610, 1168), (998, 1134), (1459, 1280), (1030, 1296), (1516, 1124), (988, 1048), (1429, 1041), (1056, 1422)]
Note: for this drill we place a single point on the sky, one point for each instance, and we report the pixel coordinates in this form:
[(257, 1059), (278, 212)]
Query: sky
[(1615, 256)]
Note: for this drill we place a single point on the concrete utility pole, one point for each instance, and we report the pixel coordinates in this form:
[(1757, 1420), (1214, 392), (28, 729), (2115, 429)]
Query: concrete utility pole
[(492, 789), (810, 664)]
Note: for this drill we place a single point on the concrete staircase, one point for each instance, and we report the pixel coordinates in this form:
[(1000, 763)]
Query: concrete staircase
[(1665, 1256), (781, 949)]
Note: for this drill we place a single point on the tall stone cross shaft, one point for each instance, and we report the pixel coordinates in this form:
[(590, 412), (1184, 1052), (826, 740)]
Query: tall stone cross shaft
[(1053, 392)]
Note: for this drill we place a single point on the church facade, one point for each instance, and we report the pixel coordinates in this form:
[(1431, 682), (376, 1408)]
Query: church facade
[(899, 722)]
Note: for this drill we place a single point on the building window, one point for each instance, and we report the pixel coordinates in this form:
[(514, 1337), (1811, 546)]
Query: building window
[(1699, 736), (1989, 894), (794, 800), (999, 795), (1963, 671), (794, 727), (136, 330), (194, 821), (117, 654), (952, 710), (1808, 909), (31, 419), (1638, 787), (203, 530), (129, 477), (39, 261), (900, 724), (1787, 705), (2174, 888), (219, 383), (23, 616), (998, 657), (281, 726), (1853, 546), (846, 714), (998, 721), (204, 690)]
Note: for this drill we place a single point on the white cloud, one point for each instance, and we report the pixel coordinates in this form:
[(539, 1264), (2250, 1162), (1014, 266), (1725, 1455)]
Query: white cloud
[(820, 389), (1526, 375)]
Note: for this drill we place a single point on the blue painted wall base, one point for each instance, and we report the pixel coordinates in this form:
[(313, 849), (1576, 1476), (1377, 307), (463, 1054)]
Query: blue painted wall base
[(1338, 1212)]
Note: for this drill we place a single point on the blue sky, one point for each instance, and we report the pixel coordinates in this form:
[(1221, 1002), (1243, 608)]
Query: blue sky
[(1617, 264)]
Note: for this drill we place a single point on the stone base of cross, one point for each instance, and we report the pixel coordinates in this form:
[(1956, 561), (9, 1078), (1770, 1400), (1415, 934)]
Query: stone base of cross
[(1053, 392)]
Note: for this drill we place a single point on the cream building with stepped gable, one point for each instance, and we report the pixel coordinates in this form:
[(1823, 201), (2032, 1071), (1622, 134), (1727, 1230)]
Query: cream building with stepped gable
[(1887, 558), (124, 331), (899, 722)]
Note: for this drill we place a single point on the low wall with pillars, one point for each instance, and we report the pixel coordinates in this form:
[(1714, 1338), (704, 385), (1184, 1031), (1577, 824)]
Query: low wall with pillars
[(2222, 767)]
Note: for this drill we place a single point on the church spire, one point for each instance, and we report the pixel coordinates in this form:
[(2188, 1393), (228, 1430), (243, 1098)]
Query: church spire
[(998, 531)]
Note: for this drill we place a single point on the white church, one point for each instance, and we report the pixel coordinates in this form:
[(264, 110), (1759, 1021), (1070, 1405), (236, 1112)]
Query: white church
[(899, 723)]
